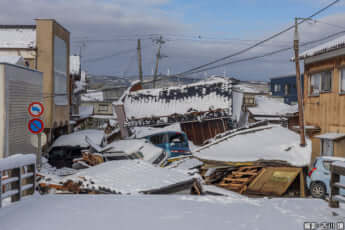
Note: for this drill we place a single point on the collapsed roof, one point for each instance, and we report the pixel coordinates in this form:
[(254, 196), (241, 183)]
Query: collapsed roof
[(204, 96), (267, 143)]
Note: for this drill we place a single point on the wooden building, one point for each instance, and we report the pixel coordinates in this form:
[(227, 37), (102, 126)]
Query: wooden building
[(203, 109), (324, 96), (44, 47)]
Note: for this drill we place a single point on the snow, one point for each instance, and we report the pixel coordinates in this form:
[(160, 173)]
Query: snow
[(237, 103), (78, 138), (255, 88), (264, 143), (17, 160), (271, 106), (47, 169), (17, 38), (129, 176), (15, 60), (323, 48), (211, 94), (74, 65), (150, 152), (141, 132), (340, 163), (85, 111), (331, 136), (90, 212), (186, 165), (92, 96)]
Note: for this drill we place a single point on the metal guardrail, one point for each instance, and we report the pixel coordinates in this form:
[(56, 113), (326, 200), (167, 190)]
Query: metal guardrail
[(335, 197), (17, 181)]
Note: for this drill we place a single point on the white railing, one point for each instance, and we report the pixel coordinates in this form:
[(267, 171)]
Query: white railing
[(17, 177)]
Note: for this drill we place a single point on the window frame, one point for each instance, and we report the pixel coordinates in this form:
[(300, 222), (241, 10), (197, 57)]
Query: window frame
[(101, 106), (340, 79), (321, 91)]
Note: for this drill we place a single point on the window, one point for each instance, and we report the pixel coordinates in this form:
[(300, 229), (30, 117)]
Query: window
[(60, 72), (327, 165), (287, 89), (157, 139), (276, 88), (342, 80), (326, 147), (320, 82), (102, 108)]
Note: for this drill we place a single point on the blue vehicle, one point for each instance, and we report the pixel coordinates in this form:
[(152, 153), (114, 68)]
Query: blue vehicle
[(319, 177), (174, 143)]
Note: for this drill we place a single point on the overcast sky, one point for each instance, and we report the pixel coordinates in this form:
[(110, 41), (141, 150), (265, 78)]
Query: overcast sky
[(196, 31)]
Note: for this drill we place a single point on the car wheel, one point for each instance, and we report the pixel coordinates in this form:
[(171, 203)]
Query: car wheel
[(318, 190)]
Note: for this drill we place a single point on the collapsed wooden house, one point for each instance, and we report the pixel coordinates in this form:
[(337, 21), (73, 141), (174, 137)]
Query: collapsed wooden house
[(264, 160), (203, 109)]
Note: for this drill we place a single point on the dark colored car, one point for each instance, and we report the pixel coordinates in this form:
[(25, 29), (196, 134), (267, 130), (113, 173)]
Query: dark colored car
[(62, 156)]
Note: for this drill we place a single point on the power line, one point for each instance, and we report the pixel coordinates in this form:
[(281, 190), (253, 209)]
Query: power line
[(110, 56), (259, 43), (267, 54)]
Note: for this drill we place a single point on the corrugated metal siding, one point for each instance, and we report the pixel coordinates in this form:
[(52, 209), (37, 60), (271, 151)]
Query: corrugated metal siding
[(23, 87)]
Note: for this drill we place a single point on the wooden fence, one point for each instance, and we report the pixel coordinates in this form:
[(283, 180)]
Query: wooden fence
[(337, 170), (17, 177)]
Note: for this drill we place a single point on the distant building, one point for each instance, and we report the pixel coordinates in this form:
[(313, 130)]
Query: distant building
[(45, 47), (203, 109), (285, 87), (324, 96)]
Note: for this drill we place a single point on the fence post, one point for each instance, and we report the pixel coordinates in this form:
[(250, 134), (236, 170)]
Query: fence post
[(17, 172), (335, 178)]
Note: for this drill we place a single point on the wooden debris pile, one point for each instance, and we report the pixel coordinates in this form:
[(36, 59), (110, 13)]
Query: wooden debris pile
[(87, 160), (256, 179)]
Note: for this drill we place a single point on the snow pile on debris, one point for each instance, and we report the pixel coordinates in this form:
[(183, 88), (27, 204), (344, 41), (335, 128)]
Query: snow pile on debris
[(85, 111), (92, 96), (186, 165), (268, 143), (271, 106), (128, 177), (211, 94), (16, 161), (323, 48), (140, 132), (253, 87), (90, 212), (17, 37), (48, 170), (78, 138)]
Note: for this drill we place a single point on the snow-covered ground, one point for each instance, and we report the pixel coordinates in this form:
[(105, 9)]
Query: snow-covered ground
[(91, 212)]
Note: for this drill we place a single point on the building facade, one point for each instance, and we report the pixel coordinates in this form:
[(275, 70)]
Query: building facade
[(45, 47), (324, 97), (285, 87)]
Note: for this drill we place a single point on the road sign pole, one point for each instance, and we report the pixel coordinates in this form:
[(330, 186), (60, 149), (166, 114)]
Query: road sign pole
[(39, 151)]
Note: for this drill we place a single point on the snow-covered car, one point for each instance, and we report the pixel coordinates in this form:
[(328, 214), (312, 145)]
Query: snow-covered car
[(131, 149), (68, 147), (318, 180)]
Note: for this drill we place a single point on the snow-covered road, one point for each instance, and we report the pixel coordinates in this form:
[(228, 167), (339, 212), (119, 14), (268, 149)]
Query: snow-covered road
[(98, 212)]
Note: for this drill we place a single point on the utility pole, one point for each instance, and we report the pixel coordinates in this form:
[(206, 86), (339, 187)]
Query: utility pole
[(298, 83), (160, 41), (140, 62)]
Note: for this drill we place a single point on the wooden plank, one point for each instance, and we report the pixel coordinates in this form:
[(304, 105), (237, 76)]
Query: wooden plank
[(236, 179), (302, 184)]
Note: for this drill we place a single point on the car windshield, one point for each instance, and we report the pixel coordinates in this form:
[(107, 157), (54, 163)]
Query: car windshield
[(177, 140)]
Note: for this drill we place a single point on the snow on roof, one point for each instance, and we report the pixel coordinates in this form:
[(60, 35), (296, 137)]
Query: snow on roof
[(85, 111), (130, 176), (90, 212), (78, 138), (340, 163), (74, 65), (17, 38), (270, 143), (92, 96), (206, 95), (141, 132), (131, 146), (257, 88), (271, 106), (331, 136), (325, 47), (17, 160), (15, 60)]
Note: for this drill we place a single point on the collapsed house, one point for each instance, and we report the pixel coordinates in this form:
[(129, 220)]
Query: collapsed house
[(203, 109), (266, 160)]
